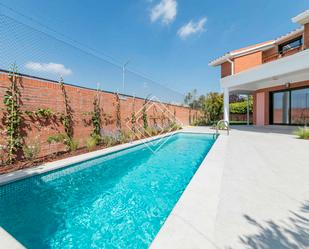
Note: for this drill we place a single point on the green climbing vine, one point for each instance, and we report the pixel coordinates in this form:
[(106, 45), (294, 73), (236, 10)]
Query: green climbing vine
[(13, 116), (174, 115), (144, 113), (41, 113), (155, 116), (133, 116), (96, 117), (118, 114), (67, 116), (67, 121)]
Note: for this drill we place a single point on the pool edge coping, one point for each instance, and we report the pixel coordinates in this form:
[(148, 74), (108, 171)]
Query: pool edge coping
[(184, 223), (8, 241), (66, 162)]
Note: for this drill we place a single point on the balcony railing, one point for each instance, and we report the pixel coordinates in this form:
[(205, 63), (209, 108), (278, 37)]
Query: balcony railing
[(277, 56)]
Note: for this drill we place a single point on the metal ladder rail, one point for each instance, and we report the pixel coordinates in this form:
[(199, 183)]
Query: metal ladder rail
[(227, 125)]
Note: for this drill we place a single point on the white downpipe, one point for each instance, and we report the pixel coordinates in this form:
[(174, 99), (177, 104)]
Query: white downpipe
[(226, 105)]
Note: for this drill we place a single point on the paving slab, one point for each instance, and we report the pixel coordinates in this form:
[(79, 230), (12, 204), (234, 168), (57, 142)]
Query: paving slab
[(251, 191)]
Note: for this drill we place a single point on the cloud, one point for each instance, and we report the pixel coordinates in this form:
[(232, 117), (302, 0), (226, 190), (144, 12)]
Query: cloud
[(165, 11), (50, 67), (192, 28)]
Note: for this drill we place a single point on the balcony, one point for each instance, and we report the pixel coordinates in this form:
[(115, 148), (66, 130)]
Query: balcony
[(277, 56), (292, 68)]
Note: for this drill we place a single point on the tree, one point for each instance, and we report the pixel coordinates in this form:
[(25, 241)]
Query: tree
[(190, 99), (241, 106), (213, 106)]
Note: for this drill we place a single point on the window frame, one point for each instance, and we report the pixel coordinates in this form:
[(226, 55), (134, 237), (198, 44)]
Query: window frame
[(271, 94), (282, 45)]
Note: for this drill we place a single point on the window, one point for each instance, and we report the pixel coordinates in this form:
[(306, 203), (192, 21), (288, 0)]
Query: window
[(280, 108), (295, 43), (290, 107), (300, 106)]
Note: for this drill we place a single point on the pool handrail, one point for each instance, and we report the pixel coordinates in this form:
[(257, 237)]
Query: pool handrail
[(226, 124)]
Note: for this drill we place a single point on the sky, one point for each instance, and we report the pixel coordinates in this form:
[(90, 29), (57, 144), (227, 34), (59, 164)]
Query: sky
[(170, 41)]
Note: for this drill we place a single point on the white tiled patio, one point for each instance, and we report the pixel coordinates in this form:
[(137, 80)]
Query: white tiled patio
[(252, 191)]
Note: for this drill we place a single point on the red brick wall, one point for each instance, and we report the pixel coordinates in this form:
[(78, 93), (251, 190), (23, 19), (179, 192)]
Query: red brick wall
[(247, 61), (306, 36), (241, 63), (44, 94), (240, 117)]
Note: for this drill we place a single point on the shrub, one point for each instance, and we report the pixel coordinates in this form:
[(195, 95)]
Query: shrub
[(174, 126), (3, 154), (124, 137), (31, 151), (108, 140), (150, 131), (241, 107), (201, 122), (91, 143), (97, 138), (70, 143), (302, 132), (73, 144)]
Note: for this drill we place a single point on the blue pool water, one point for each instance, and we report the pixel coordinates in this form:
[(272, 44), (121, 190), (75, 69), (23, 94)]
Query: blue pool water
[(116, 201)]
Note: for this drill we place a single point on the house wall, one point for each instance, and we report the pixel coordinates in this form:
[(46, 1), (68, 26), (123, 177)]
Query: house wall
[(273, 53), (261, 103), (251, 60), (260, 100), (45, 94), (226, 69), (306, 36), (241, 63), (248, 61)]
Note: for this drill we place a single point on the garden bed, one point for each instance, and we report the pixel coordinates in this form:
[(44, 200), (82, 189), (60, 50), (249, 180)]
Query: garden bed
[(24, 164)]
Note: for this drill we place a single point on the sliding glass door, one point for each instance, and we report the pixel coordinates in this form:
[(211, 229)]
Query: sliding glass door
[(290, 107), (300, 106), (280, 111)]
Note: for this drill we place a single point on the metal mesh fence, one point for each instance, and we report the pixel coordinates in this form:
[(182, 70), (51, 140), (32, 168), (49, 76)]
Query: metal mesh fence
[(41, 54)]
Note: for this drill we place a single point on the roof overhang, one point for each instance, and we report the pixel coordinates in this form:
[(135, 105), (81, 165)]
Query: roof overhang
[(242, 52), (296, 32), (293, 68), (302, 18)]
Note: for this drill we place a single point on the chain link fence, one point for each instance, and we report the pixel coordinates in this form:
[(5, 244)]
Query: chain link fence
[(42, 54)]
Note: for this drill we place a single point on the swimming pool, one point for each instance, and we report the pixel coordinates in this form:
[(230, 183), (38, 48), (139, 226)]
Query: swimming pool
[(118, 200)]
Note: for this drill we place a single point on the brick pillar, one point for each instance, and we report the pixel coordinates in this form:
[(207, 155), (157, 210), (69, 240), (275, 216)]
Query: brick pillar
[(306, 36)]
